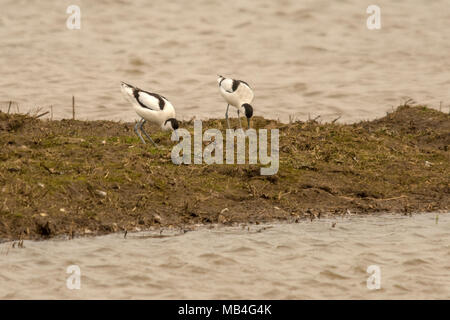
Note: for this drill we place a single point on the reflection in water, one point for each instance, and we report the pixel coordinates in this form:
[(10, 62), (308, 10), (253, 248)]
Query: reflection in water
[(285, 261)]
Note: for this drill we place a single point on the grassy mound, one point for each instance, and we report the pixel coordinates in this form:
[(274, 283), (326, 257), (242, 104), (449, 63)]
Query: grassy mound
[(94, 177)]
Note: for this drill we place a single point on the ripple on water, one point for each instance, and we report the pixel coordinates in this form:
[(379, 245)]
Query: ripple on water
[(224, 261), (292, 260), (333, 275), (172, 264), (241, 249), (415, 262)]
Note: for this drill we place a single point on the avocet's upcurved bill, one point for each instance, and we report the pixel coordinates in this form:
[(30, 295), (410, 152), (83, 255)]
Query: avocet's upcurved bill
[(239, 94), (150, 107)]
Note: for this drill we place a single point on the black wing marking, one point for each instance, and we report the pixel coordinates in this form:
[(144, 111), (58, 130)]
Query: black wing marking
[(245, 83), (236, 84), (161, 102)]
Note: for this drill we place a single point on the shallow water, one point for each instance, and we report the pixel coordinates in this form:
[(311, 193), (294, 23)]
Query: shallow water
[(312, 57), (282, 261)]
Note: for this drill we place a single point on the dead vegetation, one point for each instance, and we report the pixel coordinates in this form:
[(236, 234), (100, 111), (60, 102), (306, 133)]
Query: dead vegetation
[(93, 177)]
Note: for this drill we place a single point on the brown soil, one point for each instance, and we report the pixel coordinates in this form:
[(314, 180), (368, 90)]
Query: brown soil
[(95, 177)]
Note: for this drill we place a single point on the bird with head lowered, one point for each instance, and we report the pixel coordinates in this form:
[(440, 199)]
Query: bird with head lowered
[(238, 94), (151, 107)]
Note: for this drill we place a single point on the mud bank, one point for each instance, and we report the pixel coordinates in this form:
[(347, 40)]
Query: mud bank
[(78, 178)]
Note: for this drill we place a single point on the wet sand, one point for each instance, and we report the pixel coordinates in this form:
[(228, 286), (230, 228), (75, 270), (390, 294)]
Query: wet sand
[(301, 57)]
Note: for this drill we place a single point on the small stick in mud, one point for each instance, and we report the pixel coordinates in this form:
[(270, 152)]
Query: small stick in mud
[(42, 114), (125, 235), (336, 119), (73, 107), (9, 107), (291, 118)]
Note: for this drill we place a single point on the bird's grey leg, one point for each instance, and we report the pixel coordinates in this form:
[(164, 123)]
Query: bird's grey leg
[(137, 131), (226, 117), (142, 129), (239, 118)]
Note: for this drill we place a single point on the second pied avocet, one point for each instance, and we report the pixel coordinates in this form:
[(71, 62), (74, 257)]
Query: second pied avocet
[(151, 107), (239, 94)]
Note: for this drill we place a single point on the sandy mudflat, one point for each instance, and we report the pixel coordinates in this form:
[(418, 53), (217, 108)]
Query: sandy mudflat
[(92, 177), (301, 57)]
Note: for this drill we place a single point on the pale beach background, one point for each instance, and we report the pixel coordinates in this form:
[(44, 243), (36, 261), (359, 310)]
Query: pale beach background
[(301, 57)]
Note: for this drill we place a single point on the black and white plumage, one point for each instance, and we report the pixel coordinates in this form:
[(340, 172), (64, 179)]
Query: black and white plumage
[(238, 94), (151, 107)]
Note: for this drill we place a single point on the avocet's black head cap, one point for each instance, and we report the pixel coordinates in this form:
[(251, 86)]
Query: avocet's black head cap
[(173, 123), (248, 112)]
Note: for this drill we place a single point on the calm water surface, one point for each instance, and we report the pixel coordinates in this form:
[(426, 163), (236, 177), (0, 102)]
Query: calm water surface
[(312, 57)]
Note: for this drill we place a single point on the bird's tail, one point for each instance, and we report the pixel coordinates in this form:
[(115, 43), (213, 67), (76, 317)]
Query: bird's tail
[(124, 84), (127, 89)]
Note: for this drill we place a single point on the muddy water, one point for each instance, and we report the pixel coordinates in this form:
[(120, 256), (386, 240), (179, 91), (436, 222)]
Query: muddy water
[(302, 57), (292, 261)]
